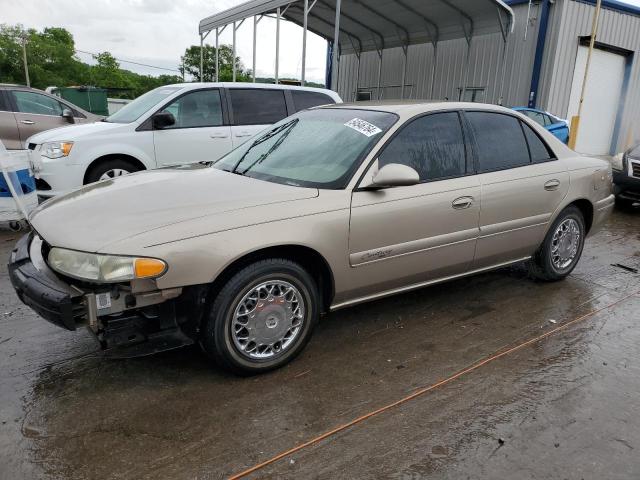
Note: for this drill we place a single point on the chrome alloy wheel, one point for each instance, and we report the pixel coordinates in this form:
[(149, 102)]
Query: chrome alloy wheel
[(267, 319), (565, 243), (114, 172)]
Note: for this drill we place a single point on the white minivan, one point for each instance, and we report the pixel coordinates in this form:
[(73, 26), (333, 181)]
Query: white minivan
[(171, 125)]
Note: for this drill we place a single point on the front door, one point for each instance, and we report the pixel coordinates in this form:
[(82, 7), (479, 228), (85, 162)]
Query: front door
[(522, 186), (35, 113), (407, 235), (199, 134)]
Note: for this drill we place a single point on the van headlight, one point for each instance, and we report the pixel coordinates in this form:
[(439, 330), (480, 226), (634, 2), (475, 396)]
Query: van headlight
[(56, 149), (104, 268)]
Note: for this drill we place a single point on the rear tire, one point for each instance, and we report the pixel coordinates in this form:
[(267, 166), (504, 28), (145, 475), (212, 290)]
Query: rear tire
[(561, 249), (110, 169), (262, 317)]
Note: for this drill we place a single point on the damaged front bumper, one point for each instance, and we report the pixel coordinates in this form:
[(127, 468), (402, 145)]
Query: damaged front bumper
[(127, 320)]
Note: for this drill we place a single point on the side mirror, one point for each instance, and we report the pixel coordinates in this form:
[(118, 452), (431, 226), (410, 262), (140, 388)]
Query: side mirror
[(162, 120), (395, 175), (68, 114)]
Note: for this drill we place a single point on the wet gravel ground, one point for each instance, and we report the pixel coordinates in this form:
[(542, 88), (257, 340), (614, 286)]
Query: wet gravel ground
[(563, 407)]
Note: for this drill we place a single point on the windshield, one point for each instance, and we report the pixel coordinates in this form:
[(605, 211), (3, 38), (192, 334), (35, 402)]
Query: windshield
[(314, 148), (134, 110)]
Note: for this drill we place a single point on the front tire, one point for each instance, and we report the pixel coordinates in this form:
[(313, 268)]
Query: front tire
[(262, 317), (109, 169), (562, 247)]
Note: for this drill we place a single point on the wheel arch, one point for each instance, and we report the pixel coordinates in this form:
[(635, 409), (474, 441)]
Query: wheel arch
[(112, 156), (309, 258), (586, 208)]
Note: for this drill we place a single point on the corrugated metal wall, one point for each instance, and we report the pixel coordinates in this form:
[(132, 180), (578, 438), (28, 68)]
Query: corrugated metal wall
[(572, 20), (569, 20), (485, 67)]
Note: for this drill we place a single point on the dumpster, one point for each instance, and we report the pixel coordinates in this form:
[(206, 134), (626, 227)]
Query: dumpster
[(92, 99)]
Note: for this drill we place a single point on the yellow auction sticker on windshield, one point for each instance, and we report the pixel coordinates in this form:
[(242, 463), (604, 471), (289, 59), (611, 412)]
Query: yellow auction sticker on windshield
[(365, 128)]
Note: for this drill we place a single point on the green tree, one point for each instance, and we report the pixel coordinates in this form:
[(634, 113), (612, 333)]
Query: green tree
[(190, 64)]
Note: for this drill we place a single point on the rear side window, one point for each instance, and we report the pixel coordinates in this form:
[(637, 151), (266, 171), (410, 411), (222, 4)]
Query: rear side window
[(500, 141), (257, 106), (303, 99), (433, 145), (539, 151)]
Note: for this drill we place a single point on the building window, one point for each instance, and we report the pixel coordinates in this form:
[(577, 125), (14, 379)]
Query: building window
[(472, 94)]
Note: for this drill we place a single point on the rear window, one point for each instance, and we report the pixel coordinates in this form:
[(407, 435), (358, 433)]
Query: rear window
[(303, 99), (257, 106), (537, 148), (500, 141)]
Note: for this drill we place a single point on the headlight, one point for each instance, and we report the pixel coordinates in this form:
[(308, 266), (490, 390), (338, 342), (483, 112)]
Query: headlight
[(56, 149), (104, 268), (617, 162)]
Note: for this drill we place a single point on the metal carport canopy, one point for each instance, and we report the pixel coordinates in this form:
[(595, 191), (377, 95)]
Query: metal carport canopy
[(373, 25), (368, 25)]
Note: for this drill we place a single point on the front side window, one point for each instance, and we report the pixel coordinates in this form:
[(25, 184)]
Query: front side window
[(3, 103), (303, 99), (134, 110), (202, 108), (257, 106), (432, 145), (31, 102), (314, 148), (499, 140)]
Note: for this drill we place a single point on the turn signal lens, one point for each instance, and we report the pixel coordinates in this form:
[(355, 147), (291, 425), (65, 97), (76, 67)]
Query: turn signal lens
[(149, 267)]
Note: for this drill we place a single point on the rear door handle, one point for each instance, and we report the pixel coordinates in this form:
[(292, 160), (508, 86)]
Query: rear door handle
[(27, 122), (462, 202), (552, 185)]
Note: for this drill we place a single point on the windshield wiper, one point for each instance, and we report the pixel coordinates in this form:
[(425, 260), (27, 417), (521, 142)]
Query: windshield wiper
[(260, 140), (273, 148)]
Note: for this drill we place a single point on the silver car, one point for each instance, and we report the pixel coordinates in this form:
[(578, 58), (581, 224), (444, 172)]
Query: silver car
[(328, 208)]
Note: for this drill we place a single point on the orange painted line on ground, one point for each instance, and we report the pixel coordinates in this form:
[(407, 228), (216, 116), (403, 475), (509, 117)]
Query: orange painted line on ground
[(424, 390)]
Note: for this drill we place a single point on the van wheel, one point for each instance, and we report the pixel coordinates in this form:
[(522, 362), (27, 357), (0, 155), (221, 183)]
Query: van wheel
[(110, 169), (262, 318), (562, 247)]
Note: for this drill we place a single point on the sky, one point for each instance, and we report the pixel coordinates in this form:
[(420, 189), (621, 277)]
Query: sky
[(156, 32)]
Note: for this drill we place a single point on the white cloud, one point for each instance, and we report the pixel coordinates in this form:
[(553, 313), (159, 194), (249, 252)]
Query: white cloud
[(156, 32)]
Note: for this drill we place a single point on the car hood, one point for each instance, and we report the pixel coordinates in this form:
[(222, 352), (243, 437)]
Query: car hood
[(110, 211), (73, 132)]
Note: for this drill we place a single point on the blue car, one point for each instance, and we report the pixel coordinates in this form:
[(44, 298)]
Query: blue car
[(557, 126)]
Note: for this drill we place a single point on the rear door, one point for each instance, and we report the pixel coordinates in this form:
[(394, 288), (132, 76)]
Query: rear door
[(406, 235), (522, 185), (36, 112), (253, 110), (200, 133), (9, 134)]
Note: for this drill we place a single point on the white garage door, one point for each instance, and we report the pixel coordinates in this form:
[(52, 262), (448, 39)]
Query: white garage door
[(601, 101)]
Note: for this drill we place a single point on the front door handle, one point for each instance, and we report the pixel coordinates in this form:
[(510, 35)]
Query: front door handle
[(243, 134), (27, 122), (462, 202), (552, 185), (219, 135)]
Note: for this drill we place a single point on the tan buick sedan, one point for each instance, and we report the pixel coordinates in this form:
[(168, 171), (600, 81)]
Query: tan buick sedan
[(328, 208)]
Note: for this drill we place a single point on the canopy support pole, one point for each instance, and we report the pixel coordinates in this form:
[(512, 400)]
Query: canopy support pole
[(217, 55), (336, 47), (277, 43), (201, 57), (355, 98), (379, 73), (304, 42), (405, 50), (504, 32), (233, 59), (434, 71), (255, 30)]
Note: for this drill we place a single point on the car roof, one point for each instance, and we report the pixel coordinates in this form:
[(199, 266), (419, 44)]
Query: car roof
[(270, 86), (413, 107)]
